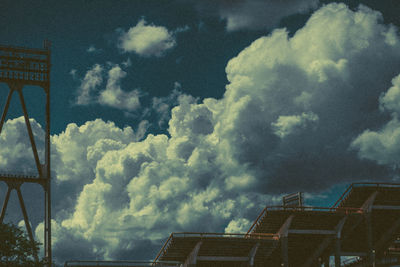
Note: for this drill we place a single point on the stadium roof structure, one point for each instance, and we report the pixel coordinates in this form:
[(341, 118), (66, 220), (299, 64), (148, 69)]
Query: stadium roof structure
[(364, 222), (82, 263), (220, 248)]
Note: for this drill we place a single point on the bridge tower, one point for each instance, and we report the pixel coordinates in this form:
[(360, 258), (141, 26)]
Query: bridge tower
[(19, 67)]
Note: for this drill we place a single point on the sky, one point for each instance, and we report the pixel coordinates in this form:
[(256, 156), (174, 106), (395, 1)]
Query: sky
[(171, 116)]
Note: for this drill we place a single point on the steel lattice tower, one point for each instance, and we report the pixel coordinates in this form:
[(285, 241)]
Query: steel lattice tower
[(19, 67)]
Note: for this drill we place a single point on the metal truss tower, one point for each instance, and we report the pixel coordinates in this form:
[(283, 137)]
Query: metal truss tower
[(19, 67)]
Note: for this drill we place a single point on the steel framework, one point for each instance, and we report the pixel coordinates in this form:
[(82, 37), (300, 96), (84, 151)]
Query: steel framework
[(20, 66)]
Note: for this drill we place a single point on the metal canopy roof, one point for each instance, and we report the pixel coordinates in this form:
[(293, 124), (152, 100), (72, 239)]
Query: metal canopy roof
[(82, 263), (227, 247), (356, 194), (272, 218)]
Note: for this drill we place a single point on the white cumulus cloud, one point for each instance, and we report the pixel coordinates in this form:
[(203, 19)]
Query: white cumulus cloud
[(147, 40), (93, 49), (383, 146), (114, 96), (238, 226), (286, 125), (92, 80), (91, 92), (391, 99)]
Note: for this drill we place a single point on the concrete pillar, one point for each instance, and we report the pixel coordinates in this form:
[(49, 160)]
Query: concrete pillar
[(325, 260), (191, 260), (252, 254), (283, 236), (370, 249), (285, 251), (337, 252)]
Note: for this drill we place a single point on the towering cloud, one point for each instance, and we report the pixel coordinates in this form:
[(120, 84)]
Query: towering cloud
[(292, 110)]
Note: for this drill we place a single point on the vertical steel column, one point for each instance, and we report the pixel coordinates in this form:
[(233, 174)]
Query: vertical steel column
[(5, 203), (28, 126), (25, 214), (5, 110), (47, 189)]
